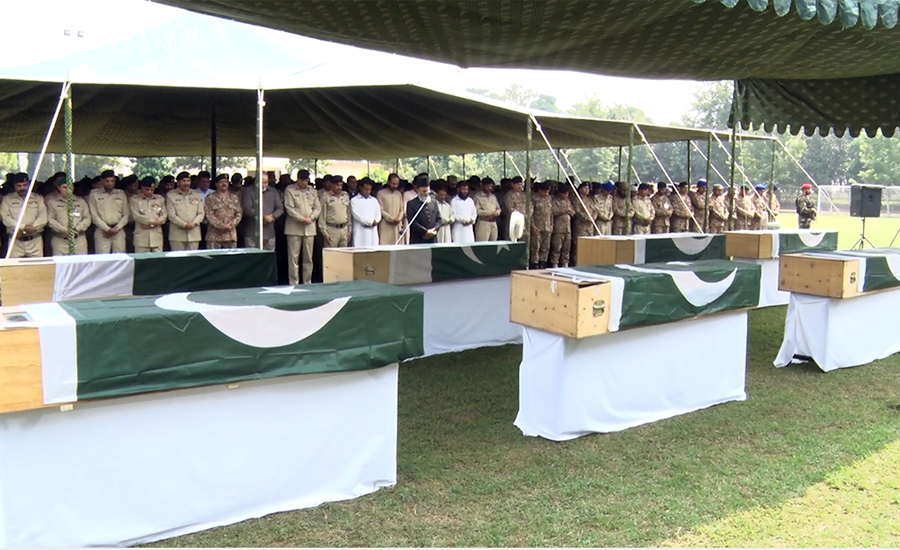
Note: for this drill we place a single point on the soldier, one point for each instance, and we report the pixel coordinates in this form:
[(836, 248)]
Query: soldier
[(662, 209), (110, 213), (561, 236), (761, 208), (744, 211), (585, 219), (29, 241), (58, 220), (698, 202), (303, 209), (620, 209), (603, 204), (718, 210), (513, 200), (392, 213), (488, 209), (806, 207), (682, 209), (334, 220), (223, 212), (184, 207), (149, 213), (644, 213), (541, 226)]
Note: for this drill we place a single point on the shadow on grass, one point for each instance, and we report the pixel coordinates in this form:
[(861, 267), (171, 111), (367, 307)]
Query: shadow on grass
[(467, 477)]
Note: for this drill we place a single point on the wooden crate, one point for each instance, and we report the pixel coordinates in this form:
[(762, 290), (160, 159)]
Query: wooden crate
[(833, 277), (600, 251), (26, 281), (21, 385), (355, 264), (556, 304), (741, 244)]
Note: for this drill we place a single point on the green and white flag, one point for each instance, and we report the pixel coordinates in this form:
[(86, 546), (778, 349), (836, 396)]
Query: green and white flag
[(879, 267), (144, 274), (123, 346), (654, 294), (674, 247), (803, 240), (434, 263)]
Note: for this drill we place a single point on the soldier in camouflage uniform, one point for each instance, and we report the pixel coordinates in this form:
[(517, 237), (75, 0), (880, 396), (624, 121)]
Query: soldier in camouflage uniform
[(583, 224), (682, 210), (643, 210), (620, 207), (698, 202), (561, 237), (718, 210), (806, 207), (662, 208), (513, 201), (744, 211), (761, 208), (541, 210)]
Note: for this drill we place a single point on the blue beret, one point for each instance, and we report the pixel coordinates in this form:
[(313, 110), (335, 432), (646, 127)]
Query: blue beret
[(701, 183), (609, 186), (762, 186)]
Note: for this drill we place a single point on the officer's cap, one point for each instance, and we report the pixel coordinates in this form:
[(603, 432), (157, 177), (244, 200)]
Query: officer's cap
[(107, 174), (662, 185), (806, 186), (609, 186), (148, 181), (643, 186), (701, 183), (487, 181), (182, 175), (21, 177), (516, 179), (221, 177), (204, 174), (718, 186), (761, 186)]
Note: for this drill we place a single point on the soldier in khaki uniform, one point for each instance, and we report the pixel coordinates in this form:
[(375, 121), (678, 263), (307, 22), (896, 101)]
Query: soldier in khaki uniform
[(541, 225), (584, 220), (185, 209), (662, 208), (148, 210), (603, 203), (744, 210), (301, 203), (718, 210), (110, 214), (682, 209), (761, 205), (487, 207), (643, 210), (561, 236), (392, 211), (698, 202), (334, 221), (29, 241), (58, 220), (620, 209)]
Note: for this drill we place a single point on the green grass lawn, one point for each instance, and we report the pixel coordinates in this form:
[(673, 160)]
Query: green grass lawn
[(880, 231), (734, 474)]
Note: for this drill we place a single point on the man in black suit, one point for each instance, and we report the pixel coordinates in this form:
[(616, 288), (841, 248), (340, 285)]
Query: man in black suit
[(422, 214)]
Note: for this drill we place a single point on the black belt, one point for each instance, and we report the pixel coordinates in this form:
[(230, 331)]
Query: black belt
[(25, 239), (337, 225)]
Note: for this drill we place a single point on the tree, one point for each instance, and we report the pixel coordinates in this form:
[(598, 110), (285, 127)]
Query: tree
[(880, 158), (307, 164), (711, 107), (152, 166), (9, 162)]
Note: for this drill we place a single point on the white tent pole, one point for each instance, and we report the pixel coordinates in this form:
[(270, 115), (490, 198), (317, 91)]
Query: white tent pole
[(260, 105), (666, 173), (63, 94), (568, 179)]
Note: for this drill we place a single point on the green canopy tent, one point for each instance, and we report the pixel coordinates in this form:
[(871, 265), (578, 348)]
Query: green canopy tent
[(827, 65)]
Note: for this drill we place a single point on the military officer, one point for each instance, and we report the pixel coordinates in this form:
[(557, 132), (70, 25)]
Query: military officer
[(662, 209), (29, 241), (487, 207), (334, 220), (643, 210), (698, 202), (184, 207), (148, 210), (513, 200), (718, 210), (301, 203), (58, 220), (561, 235), (682, 210), (223, 211), (541, 225), (761, 207), (806, 207), (603, 203), (110, 214), (622, 214), (585, 218), (744, 211)]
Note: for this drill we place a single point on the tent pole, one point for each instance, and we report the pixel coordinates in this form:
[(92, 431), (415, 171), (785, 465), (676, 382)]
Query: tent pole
[(529, 130), (70, 175), (37, 167), (731, 191), (620, 164), (688, 160), (504, 163), (628, 178), (213, 139), (772, 181), (260, 104), (464, 165), (368, 170), (397, 166), (708, 186), (428, 165), (557, 166), (315, 169)]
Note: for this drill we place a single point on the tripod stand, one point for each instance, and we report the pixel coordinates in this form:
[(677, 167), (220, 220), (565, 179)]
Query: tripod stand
[(862, 241)]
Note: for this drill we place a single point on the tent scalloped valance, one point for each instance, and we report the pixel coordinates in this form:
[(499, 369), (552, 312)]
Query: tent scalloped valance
[(848, 12)]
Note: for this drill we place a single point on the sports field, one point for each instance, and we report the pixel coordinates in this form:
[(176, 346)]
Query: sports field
[(810, 459)]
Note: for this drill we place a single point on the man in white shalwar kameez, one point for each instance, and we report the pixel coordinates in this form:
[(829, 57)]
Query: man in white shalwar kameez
[(366, 212), (464, 215), (444, 235)]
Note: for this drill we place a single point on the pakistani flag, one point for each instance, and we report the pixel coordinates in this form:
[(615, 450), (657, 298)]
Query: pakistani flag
[(654, 294), (418, 264), (145, 274), (115, 347), (879, 267), (803, 240), (678, 247)]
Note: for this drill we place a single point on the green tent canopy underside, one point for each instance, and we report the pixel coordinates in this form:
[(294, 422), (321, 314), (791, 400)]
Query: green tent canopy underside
[(802, 63), (376, 122)]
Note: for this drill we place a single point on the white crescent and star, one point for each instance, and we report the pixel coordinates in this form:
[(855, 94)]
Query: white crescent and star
[(259, 326), (692, 245), (811, 239), (695, 290)]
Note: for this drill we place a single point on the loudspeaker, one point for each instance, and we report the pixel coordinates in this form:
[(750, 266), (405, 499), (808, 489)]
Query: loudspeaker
[(865, 201)]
